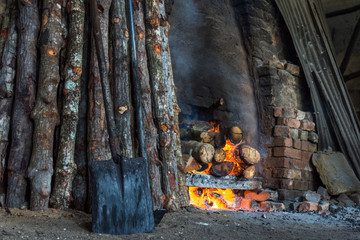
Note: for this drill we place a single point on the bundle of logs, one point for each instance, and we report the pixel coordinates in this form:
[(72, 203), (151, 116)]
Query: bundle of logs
[(208, 150)]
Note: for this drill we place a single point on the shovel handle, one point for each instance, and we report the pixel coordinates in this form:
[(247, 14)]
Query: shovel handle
[(109, 109)]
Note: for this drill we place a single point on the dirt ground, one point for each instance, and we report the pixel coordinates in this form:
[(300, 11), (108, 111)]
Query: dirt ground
[(189, 223)]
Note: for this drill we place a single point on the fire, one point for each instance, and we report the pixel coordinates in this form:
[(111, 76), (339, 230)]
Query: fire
[(216, 198)]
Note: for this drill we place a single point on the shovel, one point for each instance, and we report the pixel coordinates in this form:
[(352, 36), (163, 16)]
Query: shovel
[(121, 200)]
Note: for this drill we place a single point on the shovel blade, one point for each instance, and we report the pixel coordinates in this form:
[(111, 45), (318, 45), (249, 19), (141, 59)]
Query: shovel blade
[(121, 204)]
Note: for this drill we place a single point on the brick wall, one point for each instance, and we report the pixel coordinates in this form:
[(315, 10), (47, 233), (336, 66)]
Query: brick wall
[(288, 165)]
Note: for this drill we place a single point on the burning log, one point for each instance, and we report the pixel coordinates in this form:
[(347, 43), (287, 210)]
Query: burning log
[(222, 169), (219, 140), (235, 134), (192, 164), (219, 155), (249, 154), (202, 152), (249, 172)]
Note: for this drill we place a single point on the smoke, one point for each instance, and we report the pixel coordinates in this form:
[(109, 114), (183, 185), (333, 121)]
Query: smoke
[(210, 62)]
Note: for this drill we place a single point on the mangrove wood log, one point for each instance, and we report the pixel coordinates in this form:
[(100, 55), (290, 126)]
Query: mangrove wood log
[(202, 152)]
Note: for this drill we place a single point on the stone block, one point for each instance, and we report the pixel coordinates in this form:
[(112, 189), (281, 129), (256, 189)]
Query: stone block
[(273, 195), (323, 193), (281, 131), (294, 133), (355, 197), (286, 152), (311, 196), (300, 115), (312, 147), (307, 125), (323, 206), (293, 69), (309, 116), (335, 173), (313, 137), (295, 206), (345, 201), (308, 206), (303, 135), (278, 112), (259, 196)]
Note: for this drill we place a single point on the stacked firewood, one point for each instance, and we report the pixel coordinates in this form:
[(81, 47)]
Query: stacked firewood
[(209, 150)]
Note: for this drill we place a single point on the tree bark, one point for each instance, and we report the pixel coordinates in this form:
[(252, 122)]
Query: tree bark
[(7, 75), (5, 21), (65, 165), (162, 98), (80, 186), (45, 113), (151, 135), (98, 143), (121, 78), (21, 125)]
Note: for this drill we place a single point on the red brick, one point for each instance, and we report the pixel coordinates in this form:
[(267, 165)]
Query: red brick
[(278, 112), (290, 122), (308, 206), (269, 182), (307, 125), (258, 196), (305, 145), (245, 204), (312, 147), (286, 152), (287, 184), (301, 185), (306, 156), (297, 143), (269, 206), (281, 131), (280, 162), (307, 175), (282, 142)]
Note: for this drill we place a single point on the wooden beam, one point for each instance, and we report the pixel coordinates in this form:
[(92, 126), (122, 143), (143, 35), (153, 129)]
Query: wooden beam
[(343, 11), (350, 48)]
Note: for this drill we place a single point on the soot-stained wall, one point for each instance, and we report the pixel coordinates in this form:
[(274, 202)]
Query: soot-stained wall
[(210, 62)]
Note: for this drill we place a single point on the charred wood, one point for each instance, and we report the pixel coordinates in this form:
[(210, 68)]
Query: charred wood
[(235, 134), (222, 169), (219, 155), (22, 127)]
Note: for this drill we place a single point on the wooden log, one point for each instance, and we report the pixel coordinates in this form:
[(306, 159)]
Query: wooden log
[(219, 140), (222, 169), (124, 113), (235, 134), (151, 135), (156, 42), (98, 144), (25, 92), (219, 155), (197, 130), (192, 164), (80, 186), (249, 154), (202, 152), (45, 113), (249, 172), (7, 77), (65, 163)]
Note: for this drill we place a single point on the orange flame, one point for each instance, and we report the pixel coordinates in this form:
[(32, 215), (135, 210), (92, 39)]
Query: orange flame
[(215, 128)]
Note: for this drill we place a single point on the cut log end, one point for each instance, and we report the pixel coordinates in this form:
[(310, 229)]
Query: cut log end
[(219, 155), (249, 172), (235, 134), (222, 169), (192, 165), (249, 155)]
